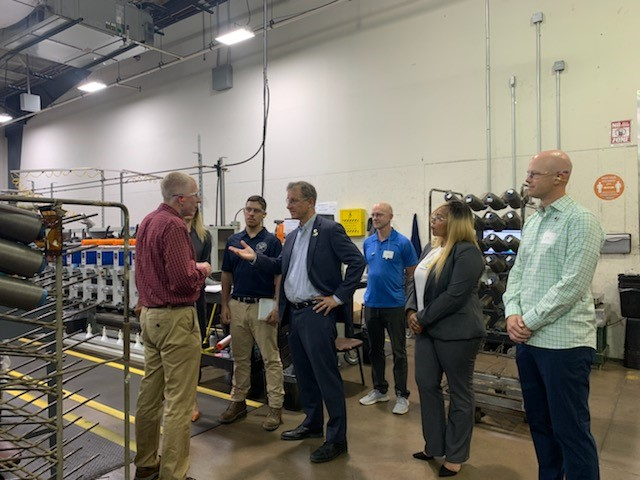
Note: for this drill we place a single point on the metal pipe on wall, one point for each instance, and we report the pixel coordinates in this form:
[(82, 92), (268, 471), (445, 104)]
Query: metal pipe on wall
[(558, 142), (558, 68), (265, 91), (537, 19), (487, 27), (221, 170), (101, 196), (200, 180), (512, 87)]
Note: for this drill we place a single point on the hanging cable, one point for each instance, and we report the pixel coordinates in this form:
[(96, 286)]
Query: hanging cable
[(265, 93)]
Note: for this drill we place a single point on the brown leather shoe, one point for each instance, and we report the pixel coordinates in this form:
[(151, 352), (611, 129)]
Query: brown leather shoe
[(273, 420), (147, 473), (234, 411)]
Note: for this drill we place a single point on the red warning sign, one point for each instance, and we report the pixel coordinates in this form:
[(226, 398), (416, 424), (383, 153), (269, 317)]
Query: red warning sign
[(620, 132), (608, 187)]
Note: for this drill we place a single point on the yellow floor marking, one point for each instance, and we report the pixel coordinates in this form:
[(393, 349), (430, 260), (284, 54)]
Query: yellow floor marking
[(139, 372), (80, 422)]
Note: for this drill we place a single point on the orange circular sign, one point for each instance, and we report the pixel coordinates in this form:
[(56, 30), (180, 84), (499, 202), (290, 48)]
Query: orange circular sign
[(608, 187)]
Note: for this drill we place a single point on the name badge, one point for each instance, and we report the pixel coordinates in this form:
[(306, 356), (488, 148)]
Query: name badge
[(388, 254), (548, 238)]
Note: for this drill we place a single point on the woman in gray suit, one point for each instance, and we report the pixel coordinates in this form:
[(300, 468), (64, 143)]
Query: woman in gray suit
[(444, 312)]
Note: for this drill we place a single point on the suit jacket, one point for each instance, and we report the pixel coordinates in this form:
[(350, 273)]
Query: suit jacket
[(452, 308), (329, 248)]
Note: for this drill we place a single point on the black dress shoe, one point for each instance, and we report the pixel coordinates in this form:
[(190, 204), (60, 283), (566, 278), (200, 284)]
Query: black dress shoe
[(300, 433), (445, 472), (328, 451), (422, 456)]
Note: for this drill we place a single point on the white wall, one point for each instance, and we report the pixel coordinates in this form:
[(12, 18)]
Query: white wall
[(378, 100)]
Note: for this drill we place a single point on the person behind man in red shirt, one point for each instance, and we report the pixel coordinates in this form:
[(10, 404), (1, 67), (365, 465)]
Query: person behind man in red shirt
[(169, 281)]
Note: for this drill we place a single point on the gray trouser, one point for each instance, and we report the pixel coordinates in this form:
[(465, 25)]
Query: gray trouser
[(446, 436)]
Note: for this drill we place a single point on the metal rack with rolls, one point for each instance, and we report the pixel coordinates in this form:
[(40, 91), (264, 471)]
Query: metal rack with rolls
[(498, 388), (42, 431), (499, 238)]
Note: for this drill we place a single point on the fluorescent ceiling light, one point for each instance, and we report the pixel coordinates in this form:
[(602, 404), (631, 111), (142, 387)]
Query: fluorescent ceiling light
[(5, 117), (92, 87), (235, 36)]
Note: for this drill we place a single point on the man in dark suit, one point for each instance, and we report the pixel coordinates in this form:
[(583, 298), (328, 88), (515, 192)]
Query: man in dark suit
[(313, 294)]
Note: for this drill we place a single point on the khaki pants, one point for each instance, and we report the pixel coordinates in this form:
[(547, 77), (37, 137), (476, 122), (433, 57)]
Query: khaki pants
[(172, 359), (246, 330)]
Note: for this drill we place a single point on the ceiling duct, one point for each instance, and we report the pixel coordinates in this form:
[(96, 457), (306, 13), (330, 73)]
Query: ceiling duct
[(15, 10), (80, 33)]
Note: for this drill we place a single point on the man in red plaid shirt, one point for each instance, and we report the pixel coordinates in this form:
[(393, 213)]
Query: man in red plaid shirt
[(169, 281)]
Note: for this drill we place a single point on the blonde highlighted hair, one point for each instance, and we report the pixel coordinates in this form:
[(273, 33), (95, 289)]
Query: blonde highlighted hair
[(198, 225), (459, 229)]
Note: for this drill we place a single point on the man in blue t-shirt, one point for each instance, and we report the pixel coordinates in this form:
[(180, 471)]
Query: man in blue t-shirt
[(391, 260), (240, 308)]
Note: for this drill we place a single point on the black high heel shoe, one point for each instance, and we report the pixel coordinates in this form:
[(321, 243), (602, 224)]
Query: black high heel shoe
[(422, 456), (445, 472)]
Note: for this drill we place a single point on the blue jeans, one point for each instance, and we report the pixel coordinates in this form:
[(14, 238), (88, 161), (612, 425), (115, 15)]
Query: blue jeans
[(555, 389)]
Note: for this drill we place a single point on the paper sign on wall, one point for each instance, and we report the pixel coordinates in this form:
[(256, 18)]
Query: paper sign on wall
[(620, 132)]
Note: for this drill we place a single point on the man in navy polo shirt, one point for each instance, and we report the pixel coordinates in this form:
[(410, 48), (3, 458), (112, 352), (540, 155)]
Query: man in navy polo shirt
[(391, 260), (240, 307)]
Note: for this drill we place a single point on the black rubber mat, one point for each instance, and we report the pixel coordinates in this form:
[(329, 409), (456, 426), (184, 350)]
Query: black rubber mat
[(87, 457), (108, 382)]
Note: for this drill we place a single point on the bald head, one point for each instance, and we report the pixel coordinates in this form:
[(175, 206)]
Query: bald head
[(381, 215), (553, 161), (547, 176), (383, 207)]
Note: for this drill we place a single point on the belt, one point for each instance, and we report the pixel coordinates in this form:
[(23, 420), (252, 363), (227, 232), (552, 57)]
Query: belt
[(246, 299), (305, 304), (174, 306)]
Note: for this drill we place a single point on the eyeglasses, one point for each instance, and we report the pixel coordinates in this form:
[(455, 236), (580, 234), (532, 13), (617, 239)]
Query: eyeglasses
[(438, 218), (533, 174), (378, 215), (291, 201), (196, 194), (253, 210)]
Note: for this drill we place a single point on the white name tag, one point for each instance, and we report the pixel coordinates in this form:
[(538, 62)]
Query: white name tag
[(548, 238), (387, 254)]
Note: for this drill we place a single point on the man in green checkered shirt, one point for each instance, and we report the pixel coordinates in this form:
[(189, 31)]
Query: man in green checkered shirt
[(551, 318)]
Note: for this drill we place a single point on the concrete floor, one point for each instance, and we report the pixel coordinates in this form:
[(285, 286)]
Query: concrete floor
[(381, 444)]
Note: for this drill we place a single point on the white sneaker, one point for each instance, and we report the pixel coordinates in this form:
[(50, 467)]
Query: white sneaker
[(374, 396), (402, 406)]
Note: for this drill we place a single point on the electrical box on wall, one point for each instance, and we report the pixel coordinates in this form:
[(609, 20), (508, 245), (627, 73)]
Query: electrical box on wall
[(222, 77), (354, 221)]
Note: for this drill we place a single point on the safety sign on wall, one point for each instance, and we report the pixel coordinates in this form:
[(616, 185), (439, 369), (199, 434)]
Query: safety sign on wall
[(620, 132), (608, 187)]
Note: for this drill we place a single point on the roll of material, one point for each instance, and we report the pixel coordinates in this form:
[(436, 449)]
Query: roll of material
[(494, 222), (19, 225), (18, 259), (22, 294), (474, 203), (512, 220), (512, 198), (494, 201), (224, 343)]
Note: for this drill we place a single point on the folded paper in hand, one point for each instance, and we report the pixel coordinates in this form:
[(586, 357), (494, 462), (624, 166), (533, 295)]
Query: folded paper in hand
[(265, 306)]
